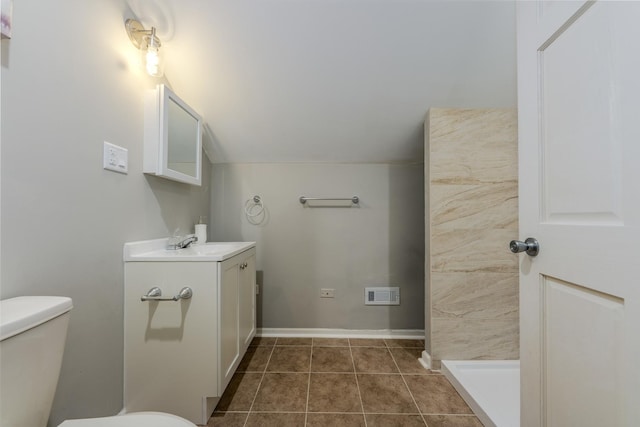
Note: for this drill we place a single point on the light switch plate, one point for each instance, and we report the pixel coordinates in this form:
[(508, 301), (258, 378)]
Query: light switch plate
[(115, 158)]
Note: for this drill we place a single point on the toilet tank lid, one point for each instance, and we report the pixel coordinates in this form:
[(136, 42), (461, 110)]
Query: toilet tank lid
[(22, 313)]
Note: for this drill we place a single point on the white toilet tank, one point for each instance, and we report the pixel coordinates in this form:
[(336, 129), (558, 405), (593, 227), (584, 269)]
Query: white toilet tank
[(33, 331)]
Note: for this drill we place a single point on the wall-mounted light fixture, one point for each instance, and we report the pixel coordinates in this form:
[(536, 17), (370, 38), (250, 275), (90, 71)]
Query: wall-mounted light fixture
[(149, 44)]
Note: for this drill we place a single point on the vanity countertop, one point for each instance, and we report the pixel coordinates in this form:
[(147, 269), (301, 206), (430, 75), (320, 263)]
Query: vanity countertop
[(156, 250)]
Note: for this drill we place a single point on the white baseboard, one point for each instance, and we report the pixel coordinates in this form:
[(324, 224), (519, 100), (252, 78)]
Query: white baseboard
[(341, 333), (425, 360)]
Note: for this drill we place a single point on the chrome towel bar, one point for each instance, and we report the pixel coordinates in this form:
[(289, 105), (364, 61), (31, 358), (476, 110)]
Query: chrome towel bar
[(155, 294), (355, 199)]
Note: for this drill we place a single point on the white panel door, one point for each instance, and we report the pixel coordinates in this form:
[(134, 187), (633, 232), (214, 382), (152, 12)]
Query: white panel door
[(579, 148)]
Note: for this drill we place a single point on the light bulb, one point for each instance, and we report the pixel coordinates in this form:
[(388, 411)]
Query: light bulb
[(152, 60), (152, 56)]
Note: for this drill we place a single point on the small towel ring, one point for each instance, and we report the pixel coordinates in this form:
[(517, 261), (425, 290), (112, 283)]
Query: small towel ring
[(250, 207)]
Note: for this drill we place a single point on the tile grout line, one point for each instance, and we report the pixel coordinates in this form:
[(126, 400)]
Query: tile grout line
[(408, 389), (446, 414), (355, 373), (264, 372), (343, 372), (306, 408)]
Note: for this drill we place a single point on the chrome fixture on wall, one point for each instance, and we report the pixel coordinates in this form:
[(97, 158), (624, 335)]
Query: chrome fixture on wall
[(149, 44), (254, 210), (354, 199)]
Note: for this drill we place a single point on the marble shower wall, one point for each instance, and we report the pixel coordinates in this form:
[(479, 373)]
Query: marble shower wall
[(471, 179)]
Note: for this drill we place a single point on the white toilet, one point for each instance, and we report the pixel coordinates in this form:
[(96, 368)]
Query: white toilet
[(33, 331)]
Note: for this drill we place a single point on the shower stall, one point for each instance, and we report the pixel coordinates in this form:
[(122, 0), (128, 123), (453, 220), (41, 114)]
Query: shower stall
[(471, 295)]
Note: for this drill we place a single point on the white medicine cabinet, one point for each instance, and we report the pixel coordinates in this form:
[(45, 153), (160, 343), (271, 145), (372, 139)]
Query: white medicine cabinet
[(172, 137)]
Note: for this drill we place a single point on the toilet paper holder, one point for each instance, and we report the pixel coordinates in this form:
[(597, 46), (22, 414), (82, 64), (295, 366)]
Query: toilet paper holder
[(155, 294)]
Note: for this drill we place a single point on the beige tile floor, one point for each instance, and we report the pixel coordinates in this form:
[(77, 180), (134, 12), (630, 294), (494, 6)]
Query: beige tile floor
[(339, 382)]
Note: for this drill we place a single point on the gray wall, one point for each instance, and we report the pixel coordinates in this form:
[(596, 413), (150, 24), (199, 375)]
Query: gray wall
[(69, 82), (301, 250)]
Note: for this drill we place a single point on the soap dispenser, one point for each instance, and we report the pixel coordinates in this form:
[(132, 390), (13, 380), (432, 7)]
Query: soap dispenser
[(201, 231)]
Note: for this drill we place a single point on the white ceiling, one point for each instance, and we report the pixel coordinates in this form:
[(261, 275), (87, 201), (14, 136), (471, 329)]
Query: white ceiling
[(331, 80)]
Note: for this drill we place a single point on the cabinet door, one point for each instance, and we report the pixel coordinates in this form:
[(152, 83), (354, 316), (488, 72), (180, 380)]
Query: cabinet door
[(162, 336), (247, 299), (229, 352)]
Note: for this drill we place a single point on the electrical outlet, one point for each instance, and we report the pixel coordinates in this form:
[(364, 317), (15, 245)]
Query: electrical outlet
[(327, 293)]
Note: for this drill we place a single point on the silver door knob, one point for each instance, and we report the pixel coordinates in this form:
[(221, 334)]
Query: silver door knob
[(530, 246)]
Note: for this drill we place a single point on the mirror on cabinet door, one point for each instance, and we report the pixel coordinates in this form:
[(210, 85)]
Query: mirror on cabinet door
[(172, 137)]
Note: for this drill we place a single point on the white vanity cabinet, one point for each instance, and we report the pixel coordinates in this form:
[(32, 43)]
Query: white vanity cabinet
[(248, 291), (237, 292), (180, 355)]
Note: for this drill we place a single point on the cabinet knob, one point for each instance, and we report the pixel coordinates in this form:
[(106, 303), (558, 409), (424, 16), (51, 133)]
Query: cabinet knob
[(243, 266)]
